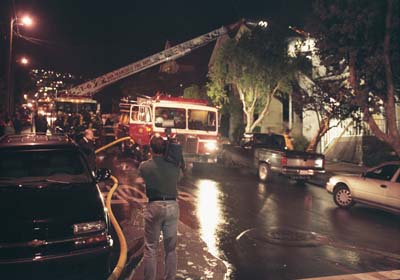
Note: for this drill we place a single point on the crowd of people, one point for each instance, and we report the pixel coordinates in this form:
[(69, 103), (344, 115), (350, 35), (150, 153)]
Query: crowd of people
[(77, 122), (10, 124), (72, 124)]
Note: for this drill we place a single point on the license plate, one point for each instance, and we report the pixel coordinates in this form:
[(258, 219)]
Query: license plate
[(306, 172)]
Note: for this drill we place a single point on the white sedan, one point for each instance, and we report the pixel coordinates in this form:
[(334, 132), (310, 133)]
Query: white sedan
[(379, 187)]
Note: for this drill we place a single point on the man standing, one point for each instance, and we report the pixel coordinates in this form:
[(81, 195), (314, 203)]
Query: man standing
[(87, 146), (41, 124), (162, 212)]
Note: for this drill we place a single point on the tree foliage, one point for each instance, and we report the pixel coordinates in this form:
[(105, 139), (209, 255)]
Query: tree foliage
[(257, 68), (362, 38), (328, 100), (195, 91)]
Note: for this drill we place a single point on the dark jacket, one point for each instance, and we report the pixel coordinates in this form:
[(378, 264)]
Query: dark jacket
[(41, 123), (161, 177)]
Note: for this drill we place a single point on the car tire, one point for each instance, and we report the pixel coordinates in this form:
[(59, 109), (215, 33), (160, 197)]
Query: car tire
[(264, 172), (342, 197)]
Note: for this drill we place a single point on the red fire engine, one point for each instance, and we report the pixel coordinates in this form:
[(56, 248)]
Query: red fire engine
[(192, 122)]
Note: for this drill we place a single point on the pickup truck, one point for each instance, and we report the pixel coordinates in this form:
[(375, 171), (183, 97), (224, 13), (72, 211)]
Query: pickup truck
[(266, 153)]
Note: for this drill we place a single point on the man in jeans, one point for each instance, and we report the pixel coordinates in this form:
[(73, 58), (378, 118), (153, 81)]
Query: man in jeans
[(162, 212)]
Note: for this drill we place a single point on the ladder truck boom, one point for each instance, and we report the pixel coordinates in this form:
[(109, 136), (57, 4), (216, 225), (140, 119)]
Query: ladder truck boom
[(91, 87)]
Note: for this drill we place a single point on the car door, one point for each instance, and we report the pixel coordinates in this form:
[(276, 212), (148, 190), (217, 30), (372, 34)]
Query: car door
[(393, 191), (375, 184)]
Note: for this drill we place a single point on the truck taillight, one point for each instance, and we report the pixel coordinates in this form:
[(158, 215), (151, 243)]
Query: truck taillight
[(284, 161), (148, 129), (320, 163)]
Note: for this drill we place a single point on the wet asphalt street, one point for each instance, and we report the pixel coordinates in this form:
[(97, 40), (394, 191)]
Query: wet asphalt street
[(277, 230)]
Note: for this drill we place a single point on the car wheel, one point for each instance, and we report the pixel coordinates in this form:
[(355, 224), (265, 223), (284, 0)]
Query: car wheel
[(264, 172), (342, 197)]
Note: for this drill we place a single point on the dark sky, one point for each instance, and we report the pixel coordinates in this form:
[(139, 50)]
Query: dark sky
[(93, 37)]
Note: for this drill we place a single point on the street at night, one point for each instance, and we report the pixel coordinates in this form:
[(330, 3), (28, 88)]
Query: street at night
[(193, 140), (275, 230)]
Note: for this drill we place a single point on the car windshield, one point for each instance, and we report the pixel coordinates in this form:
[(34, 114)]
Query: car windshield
[(383, 173), (170, 117), (202, 120), (39, 165)]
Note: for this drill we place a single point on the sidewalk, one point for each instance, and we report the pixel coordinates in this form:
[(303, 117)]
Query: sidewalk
[(335, 168)]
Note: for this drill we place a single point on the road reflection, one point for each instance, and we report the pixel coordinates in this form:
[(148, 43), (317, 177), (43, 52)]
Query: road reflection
[(209, 213)]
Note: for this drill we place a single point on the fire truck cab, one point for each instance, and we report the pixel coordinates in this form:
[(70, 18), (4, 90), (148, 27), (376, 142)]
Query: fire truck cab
[(192, 122)]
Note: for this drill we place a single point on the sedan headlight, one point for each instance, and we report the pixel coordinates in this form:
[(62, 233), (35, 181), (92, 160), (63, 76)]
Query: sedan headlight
[(88, 227)]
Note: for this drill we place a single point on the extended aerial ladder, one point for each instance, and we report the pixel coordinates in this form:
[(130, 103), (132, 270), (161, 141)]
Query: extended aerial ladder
[(91, 87)]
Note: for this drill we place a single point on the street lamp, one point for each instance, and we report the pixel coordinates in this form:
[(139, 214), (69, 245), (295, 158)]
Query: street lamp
[(24, 61), (24, 21)]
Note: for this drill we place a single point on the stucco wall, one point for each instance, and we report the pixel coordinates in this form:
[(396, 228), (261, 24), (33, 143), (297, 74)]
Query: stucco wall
[(274, 120)]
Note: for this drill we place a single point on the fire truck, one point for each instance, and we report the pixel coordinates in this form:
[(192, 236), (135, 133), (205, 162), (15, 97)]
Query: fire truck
[(192, 122), (67, 105)]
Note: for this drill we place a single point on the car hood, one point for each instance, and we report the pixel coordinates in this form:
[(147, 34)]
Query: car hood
[(47, 210)]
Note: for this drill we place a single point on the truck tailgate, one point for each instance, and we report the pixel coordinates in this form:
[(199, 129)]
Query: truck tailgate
[(304, 160)]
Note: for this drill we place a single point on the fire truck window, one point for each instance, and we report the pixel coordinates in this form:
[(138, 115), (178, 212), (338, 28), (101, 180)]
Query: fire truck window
[(170, 117), (65, 107), (202, 120), (135, 114), (140, 114), (147, 115)]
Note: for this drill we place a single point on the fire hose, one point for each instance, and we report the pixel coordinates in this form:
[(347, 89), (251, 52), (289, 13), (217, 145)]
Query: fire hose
[(122, 241)]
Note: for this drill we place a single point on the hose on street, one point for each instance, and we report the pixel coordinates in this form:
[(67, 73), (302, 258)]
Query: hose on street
[(122, 241), (127, 138)]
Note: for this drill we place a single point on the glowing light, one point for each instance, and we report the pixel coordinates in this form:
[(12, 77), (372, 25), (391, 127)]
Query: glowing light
[(24, 61), (210, 146), (263, 24), (27, 20)]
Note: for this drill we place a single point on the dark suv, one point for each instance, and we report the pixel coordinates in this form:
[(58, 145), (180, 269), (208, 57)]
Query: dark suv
[(53, 217)]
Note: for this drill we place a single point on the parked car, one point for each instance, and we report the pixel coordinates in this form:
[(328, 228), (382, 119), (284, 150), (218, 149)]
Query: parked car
[(52, 212), (267, 153), (379, 187)]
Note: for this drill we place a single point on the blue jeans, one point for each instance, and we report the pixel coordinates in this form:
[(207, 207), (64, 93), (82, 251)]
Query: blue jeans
[(160, 216)]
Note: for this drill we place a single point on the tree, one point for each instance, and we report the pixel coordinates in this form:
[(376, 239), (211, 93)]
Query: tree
[(194, 91), (328, 100), (362, 37), (257, 68)]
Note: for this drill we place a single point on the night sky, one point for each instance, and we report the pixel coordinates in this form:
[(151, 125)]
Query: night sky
[(90, 38)]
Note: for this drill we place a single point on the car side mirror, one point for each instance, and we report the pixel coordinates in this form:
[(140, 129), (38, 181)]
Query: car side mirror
[(102, 174)]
